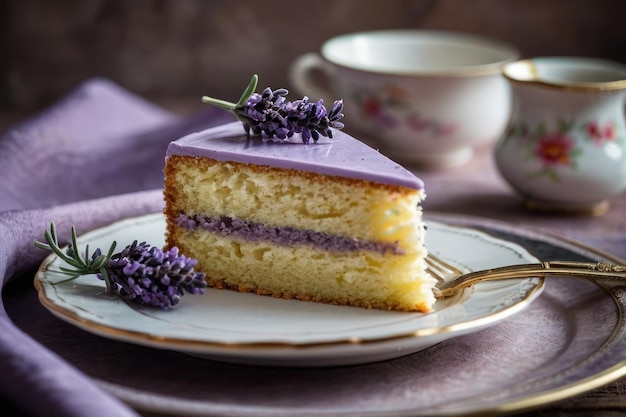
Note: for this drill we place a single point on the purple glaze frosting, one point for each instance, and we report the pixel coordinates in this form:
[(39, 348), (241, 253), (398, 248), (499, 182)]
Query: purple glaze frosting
[(343, 156), (284, 236)]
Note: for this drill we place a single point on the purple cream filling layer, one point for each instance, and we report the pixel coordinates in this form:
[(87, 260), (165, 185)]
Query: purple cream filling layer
[(284, 236)]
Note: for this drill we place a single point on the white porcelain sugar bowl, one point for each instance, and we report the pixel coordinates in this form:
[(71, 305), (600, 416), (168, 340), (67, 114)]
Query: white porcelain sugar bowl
[(565, 148)]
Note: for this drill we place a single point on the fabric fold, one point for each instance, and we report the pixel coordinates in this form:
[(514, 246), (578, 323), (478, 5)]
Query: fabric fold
[(91, 159)]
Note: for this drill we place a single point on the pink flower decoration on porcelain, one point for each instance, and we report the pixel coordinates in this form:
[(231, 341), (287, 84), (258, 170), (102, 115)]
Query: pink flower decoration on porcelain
[(446, 129), (372, 108), (554, 149), (418, 124), (390, 107), (436, 128), (600, 134)]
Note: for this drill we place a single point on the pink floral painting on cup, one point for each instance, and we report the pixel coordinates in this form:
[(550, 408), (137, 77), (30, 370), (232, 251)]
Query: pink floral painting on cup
[(600, 133), (557, 149), (390, 107)]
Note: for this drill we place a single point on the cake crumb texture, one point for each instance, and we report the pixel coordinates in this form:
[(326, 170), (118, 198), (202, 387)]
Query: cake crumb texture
[(290, 198)]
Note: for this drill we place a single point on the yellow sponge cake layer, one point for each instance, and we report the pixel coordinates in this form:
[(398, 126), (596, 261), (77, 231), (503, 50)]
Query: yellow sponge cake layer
[(292, 198), (307, 273)]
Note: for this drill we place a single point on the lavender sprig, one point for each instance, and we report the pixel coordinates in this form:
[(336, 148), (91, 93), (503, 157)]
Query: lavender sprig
[(80, 265), (150, 276), (270, 114), (139, 273)]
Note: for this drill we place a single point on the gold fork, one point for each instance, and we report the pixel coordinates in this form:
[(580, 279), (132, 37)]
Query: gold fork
[(451, 279)]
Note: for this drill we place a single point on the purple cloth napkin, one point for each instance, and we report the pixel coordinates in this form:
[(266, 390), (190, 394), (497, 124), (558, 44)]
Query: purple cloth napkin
[(93, 158)]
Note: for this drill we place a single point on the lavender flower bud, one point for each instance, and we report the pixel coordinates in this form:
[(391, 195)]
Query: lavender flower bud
[(153, 277), (271, 115)]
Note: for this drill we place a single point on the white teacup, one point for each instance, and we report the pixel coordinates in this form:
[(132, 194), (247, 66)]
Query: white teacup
[(565, 149), (425, 97)]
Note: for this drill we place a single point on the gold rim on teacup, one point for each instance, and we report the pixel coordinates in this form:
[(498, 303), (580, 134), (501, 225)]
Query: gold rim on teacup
[(595, 75)]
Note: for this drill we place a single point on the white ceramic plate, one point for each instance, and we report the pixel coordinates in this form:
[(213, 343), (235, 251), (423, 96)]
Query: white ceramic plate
[(246, 328)]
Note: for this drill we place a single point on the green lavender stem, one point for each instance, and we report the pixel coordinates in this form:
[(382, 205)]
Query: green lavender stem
[(227, 105)]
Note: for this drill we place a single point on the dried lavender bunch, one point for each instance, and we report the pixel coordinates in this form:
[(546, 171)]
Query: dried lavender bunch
[(139, 273), (150, 276), (270, 114)]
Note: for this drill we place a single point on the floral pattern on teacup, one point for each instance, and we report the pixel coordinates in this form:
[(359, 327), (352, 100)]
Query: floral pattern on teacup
[(389, 107), (553, 150), (601, 133), (557, 149)]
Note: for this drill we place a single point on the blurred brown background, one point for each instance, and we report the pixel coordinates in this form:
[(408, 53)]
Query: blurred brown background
[(178, 50)]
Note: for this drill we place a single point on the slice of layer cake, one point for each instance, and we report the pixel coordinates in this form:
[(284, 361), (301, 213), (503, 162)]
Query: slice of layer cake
[(332, 222)]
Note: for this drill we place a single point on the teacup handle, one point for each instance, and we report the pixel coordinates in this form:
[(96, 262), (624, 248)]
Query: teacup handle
[(311, 75)]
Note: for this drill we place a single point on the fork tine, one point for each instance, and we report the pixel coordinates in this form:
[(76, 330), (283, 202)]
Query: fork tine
[(440, 269), (444, 265), (433, 269)]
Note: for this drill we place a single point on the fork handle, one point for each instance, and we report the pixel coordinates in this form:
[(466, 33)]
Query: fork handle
[(589, 270)]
